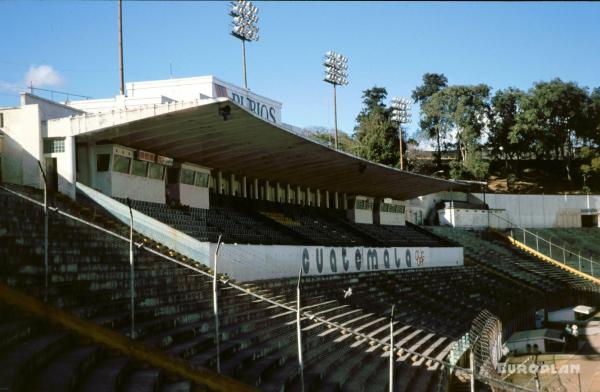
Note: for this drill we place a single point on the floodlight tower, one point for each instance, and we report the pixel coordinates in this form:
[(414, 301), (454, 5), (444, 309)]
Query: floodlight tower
[(336, 73), (401, 114), (244, 26)]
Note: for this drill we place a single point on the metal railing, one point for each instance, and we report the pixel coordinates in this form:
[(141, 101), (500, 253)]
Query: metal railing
[(567, 257)]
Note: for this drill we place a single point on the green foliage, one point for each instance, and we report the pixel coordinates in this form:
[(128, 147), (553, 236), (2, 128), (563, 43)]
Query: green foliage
[(430, 123), (325, 136), (375, 133), (460, 113), (504, 110)]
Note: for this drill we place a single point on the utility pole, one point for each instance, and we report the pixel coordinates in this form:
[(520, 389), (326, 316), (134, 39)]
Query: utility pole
[(121, 72)]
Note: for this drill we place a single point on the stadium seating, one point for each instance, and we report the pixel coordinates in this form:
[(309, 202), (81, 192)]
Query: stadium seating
[(90, 278), (496, 254), (260, 222), (576, 240)]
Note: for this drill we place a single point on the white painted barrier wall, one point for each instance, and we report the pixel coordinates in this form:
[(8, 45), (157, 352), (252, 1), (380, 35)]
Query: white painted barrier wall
[(538, 211), (257, 262), (472, 218)]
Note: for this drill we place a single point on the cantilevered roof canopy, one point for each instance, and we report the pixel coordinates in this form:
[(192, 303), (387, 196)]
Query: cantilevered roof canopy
[(247, 145)]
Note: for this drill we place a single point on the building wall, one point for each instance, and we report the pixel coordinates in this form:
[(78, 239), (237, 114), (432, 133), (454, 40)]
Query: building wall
[(537, 211)]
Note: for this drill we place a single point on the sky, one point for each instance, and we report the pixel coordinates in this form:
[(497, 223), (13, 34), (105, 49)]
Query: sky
[(72, 46)]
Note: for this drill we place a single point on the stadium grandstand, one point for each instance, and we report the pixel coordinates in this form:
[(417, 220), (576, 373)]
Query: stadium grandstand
[(182, 237)]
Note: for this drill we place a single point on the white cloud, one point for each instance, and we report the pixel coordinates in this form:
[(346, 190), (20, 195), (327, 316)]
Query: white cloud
[(10, 87), (43, 76)]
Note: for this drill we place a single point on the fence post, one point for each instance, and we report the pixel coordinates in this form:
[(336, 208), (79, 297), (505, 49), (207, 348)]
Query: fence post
[(299, 333), (216, 305), (550, 245), (392, 350), (472, 366), (564, 256), (592, 265), (537, 242), (131, 272), (579, 261), (46, 267)]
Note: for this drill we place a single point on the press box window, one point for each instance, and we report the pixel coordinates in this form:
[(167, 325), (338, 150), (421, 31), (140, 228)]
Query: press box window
[(156, 171), (187, 176), (54, 145), (102, 162), (140, 168), (201, 180), (121, 164)]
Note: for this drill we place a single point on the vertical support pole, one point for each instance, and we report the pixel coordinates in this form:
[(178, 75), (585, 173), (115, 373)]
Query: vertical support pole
[(564, 256), (523, 236), (131, 272), (392, 357), (472, 366), (592, 265), (537, 242), (299, 333), (46, 266), (335, 117), (121, 72), (216, 305), (400, 142), (244, 60), (580, 261)]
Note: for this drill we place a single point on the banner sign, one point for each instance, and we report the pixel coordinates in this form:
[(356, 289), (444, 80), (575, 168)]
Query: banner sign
[(262, 107), (256, 262)]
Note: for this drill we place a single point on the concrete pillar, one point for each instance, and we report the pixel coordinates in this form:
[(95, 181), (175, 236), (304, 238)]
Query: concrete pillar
[(90, 149), (318, 198), (255, 188), (277, 193), (336, 200), (308, 202), (267, 191), (244, 190), (219, 183), (232, 186), (326, 199), (298, 191), (288, 193), (345, 197)]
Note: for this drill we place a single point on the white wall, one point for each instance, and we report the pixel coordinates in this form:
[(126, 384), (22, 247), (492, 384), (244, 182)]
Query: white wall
[(137, 188), (462, 217), (520, 347), (537, 211), (255, 262), (193, 196)]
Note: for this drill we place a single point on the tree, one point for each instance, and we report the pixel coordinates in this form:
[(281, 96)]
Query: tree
[(429, 123), (463, 111), (324, 135), (555, 117), (504, 109), (377, 136)]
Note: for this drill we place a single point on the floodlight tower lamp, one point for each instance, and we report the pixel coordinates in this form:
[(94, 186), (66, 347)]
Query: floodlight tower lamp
[(244, 27), (336, 67), (401, 114)]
